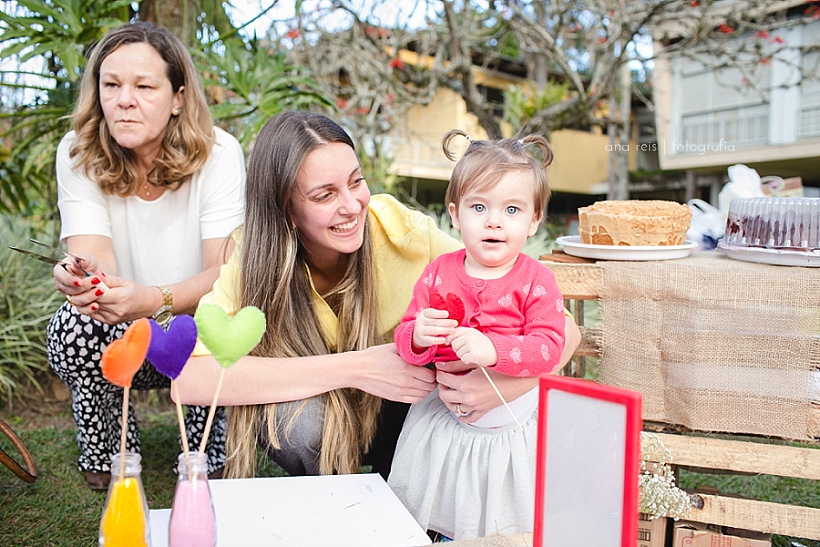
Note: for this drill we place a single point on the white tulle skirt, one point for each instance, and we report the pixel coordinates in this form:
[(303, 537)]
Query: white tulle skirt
[(461, 481)]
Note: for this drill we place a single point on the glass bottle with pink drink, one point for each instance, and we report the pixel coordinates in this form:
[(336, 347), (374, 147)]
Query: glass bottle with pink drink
[(193, 521)]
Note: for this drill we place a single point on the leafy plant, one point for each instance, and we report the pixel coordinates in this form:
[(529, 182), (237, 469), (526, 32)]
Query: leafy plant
[(56, 33), (522, 103), (376, 170), (27, 303), (250, 83)]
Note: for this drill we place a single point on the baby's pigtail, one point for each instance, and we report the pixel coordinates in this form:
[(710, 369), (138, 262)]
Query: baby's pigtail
[(445, 143), (540, 142)]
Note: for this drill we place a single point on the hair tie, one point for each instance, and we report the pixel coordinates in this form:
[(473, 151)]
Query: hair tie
[(521, 142)]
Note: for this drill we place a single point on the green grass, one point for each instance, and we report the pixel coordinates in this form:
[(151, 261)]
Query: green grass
[(58, 509)]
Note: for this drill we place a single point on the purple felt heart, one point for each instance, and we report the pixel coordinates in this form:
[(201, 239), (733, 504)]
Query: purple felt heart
[(169, 351)]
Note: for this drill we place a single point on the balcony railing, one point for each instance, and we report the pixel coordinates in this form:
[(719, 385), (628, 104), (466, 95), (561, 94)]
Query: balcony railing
[(419, 152), (738, 126)]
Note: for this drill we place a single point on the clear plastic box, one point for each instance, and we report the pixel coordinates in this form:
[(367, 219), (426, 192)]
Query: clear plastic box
[(774, 223)]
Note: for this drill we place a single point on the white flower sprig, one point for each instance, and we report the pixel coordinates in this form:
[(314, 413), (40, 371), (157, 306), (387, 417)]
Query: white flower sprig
[(659, 497)]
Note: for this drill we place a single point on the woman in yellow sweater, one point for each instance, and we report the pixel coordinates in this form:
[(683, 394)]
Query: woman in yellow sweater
[(333, 269)]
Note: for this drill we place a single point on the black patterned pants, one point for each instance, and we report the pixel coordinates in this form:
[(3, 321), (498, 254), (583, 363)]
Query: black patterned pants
[(75, 346)]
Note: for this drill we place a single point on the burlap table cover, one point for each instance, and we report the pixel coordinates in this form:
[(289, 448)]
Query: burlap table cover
[(714, 344)]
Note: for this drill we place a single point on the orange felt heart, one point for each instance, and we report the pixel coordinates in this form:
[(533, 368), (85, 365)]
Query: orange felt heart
[(123, 358)]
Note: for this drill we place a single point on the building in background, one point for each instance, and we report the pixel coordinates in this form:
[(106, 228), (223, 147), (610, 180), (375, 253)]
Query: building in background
[(766, 116), (578, 175)]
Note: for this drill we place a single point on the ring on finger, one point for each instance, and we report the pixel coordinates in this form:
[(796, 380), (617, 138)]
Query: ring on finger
[(459, 411), (68, 299)]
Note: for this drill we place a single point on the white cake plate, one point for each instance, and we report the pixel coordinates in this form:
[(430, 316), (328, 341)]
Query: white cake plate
[(779, 257), (573, 246)]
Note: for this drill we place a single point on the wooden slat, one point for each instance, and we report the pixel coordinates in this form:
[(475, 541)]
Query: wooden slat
[(577, 281), (742, 456), (762, 516)]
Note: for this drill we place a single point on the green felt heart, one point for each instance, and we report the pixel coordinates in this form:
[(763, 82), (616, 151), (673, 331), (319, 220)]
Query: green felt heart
[(229, 339)]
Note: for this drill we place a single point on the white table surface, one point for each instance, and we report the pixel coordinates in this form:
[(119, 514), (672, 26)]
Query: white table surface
[(323, 511)]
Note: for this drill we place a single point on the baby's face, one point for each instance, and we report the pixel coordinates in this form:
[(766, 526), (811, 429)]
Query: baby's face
[(495, 223)]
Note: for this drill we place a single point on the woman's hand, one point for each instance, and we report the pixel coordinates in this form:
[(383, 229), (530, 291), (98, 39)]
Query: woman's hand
[(112, 299), (471, 393), (71, 280), (123, 301), (385, 374)]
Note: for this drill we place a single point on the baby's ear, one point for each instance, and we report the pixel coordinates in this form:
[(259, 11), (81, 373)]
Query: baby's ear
[(453, 210), (536, 220)]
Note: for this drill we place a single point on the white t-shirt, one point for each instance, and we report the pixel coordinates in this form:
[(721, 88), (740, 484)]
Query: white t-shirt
[(157, 242)]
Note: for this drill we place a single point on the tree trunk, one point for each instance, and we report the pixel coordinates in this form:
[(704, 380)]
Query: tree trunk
[(626, 110), (178, 16)]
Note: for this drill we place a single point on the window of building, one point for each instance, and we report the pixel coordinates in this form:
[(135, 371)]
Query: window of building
[(725, 105), (809, 115), (495, 97)]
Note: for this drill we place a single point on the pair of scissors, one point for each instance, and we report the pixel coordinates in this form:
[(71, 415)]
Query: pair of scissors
[(50, 259)]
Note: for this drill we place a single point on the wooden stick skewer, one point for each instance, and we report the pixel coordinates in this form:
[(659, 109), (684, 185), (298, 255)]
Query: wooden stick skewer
[(497, 392), (123, 431), (180, 419), (211, 412)]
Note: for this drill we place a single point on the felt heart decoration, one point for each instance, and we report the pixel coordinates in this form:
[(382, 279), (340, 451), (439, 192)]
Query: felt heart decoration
[(169, 351), (437, 301), (452, 304), (455, 306), (124, 357), (229, 339)]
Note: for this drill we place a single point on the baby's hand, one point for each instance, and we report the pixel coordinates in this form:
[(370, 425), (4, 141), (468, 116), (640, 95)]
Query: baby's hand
[(473, 347), (432, 327)]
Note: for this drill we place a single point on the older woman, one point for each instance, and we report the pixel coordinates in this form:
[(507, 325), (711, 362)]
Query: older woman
[(149, 191)]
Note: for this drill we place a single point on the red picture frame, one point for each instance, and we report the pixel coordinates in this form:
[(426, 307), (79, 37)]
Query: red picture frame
[(601, 443)]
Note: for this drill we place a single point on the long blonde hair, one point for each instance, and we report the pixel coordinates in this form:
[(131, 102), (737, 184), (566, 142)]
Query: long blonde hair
[(274, 278), (188, 139)]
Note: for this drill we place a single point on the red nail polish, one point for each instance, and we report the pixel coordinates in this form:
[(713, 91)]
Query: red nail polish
[(103, 273), (94, 307), (76, 283), (99, 292), (95, 281)]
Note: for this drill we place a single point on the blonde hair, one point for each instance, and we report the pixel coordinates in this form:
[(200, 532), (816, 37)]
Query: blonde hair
[(274, 277), (189, 136), (485, 163)]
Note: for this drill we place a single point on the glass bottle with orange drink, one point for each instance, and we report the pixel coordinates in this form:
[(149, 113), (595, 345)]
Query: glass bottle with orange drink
[(124, 521)]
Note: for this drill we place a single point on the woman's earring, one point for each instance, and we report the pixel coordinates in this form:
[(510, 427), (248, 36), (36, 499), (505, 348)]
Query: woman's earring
[(176, 112)]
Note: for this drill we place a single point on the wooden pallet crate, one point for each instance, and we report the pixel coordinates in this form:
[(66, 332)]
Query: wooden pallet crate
[(582, 281)]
